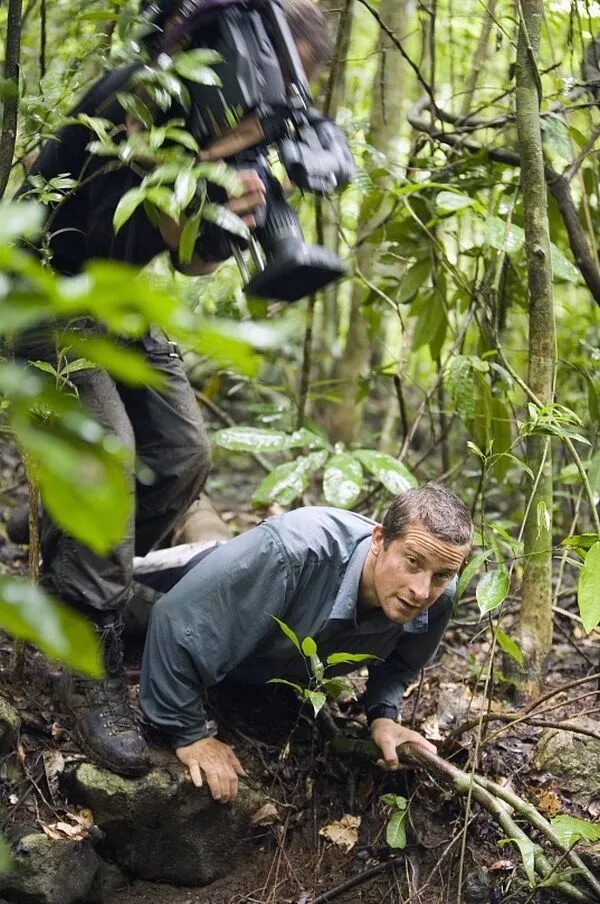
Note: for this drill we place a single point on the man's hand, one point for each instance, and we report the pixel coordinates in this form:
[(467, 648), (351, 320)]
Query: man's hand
[(217, 762), (251, 196), (388, 735)]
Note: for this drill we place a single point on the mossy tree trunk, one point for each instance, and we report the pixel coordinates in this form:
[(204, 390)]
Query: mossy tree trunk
[(535, 623), (12, 50), (387, 117)]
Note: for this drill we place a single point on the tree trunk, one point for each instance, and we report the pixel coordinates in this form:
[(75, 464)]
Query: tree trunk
[(11, 102), (535, 623), (385, 126)]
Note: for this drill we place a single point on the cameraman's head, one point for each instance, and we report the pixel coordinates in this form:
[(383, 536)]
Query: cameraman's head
[(310, 29)]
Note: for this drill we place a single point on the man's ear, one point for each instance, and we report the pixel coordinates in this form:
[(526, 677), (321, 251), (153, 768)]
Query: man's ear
[(377, 540)]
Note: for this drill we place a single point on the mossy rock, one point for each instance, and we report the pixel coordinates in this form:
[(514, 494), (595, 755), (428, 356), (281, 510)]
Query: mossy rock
[(161, 827), (573, 759), (10, 723), (46, 871)]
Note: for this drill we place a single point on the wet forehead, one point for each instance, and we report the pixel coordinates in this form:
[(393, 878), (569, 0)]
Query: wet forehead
[(440, 554)]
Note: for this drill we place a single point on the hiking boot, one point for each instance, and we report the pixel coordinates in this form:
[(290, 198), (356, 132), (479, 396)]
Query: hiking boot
[(104, 720)]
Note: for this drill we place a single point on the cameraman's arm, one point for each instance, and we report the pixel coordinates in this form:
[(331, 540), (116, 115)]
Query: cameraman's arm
[(203, 262)]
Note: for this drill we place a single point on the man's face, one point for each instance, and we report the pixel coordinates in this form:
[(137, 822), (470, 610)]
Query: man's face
[(410, 574)]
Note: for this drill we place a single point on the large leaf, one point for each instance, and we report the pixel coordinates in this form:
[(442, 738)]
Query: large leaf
[(509, 646), (450, 202), (562, 268), (83, 484), (588, 590), (394, 476), (570, 830), (194, 65), (342, 481), (30, 614), (22, 219), (395, 832), (492, 589), (469, 572), (286, 482), (262, 439), (503, 236)]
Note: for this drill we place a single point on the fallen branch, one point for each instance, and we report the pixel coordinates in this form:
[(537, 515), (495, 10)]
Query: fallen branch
[(492, 801)]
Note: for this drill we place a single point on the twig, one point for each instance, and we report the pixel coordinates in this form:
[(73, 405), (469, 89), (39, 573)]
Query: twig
[(358, 880)]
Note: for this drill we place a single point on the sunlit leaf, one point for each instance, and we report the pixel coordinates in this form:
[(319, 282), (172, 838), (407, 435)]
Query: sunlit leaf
[(509, 646), (263, 439), (469, 572), (339, 658), (193, 66), (335, 687), (136, 107), (588, 589), (395, 832), (317, 698), (288, 481), (394, 475), (289, 632), (503, 236), (309, 647), (27, 612), (450, 202), (127, 206), (22, 219), (492, 590), (342, 481), (562, 268), (569, 829)]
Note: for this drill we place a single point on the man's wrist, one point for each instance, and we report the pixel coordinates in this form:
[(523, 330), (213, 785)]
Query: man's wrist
[(382, 711)]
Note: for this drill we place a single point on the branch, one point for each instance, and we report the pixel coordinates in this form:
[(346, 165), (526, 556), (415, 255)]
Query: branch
[(488, 795), (558, 185)]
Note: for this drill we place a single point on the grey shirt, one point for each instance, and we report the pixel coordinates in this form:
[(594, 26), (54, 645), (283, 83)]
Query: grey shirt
[(303, 567)]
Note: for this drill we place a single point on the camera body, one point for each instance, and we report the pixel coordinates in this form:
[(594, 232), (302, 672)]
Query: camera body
[(260, 73)]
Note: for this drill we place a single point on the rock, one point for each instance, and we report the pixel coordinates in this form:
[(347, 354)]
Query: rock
[(574, 760), (160, 827), (478, 886), (50, 872), (10, 724)]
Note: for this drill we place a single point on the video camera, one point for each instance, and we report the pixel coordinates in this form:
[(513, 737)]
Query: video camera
[(261, 73)]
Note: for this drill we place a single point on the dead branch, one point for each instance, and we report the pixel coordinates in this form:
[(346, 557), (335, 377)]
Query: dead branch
[(478, 787)]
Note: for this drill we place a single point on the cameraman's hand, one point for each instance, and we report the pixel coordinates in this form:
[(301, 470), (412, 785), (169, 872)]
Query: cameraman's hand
[(217, 762), (245, 134), (251, 197)]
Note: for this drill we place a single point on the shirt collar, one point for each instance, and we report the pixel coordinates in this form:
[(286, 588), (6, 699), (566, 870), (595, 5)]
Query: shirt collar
[(346, 600)]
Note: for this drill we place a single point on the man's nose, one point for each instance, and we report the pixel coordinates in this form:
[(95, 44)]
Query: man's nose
[(420, 586)]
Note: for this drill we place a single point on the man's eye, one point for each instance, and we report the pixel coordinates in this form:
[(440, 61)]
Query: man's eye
[(412, 561)]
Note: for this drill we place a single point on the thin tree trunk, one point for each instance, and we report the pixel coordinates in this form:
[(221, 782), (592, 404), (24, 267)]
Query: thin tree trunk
[(386, 123), (11, 104), (535, 622), (479, 58)]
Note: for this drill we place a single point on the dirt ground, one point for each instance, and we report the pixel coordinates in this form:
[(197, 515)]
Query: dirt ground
[(288, 860)]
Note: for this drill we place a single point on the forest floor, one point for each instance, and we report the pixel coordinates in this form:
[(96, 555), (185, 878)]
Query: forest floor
[(310, 789)]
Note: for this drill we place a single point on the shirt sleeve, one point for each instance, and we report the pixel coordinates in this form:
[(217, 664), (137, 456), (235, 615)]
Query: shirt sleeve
[(206, 625), (389, 679)]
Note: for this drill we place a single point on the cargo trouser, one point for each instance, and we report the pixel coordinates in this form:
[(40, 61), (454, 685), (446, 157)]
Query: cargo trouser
[(164, 431)]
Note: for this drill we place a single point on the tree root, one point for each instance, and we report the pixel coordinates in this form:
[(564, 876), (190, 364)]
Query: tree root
[(493, 798)]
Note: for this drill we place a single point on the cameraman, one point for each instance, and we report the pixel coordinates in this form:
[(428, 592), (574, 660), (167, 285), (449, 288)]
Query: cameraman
[(163, 429)]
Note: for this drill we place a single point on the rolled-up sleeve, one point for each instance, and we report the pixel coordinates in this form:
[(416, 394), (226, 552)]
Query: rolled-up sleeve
[(206, 625), (389, 679)]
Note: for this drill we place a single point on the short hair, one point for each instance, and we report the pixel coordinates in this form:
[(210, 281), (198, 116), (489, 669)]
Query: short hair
[(309, 24), (437, 509)]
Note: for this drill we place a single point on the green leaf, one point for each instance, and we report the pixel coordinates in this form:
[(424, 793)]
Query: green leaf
[(182, 137), (504, 237), (219, 342), (185, 188), (5, 858), (225, 219), (395, 832), (581, 542), (128, 204), (19, 219), (136, 107), (394, 476), (509, 646), (317, 698), (469, 572), (588, 589), (339, 658), (394, 800), (492, 589), (193, 66), (450, 202), (569, 829), (187, 241), (342, 481), (289, 632), (413, 280), (126, 365), (296, 687), (528, 850), (262, 439), (317, 668), (335, 687), (309, 647), (286, 482), (562, 268), (27, 612)]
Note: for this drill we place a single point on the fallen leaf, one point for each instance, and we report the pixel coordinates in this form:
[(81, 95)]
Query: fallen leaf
[(342, 832), (266, 815), (54, 765), (13, 799), (431, 728)]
